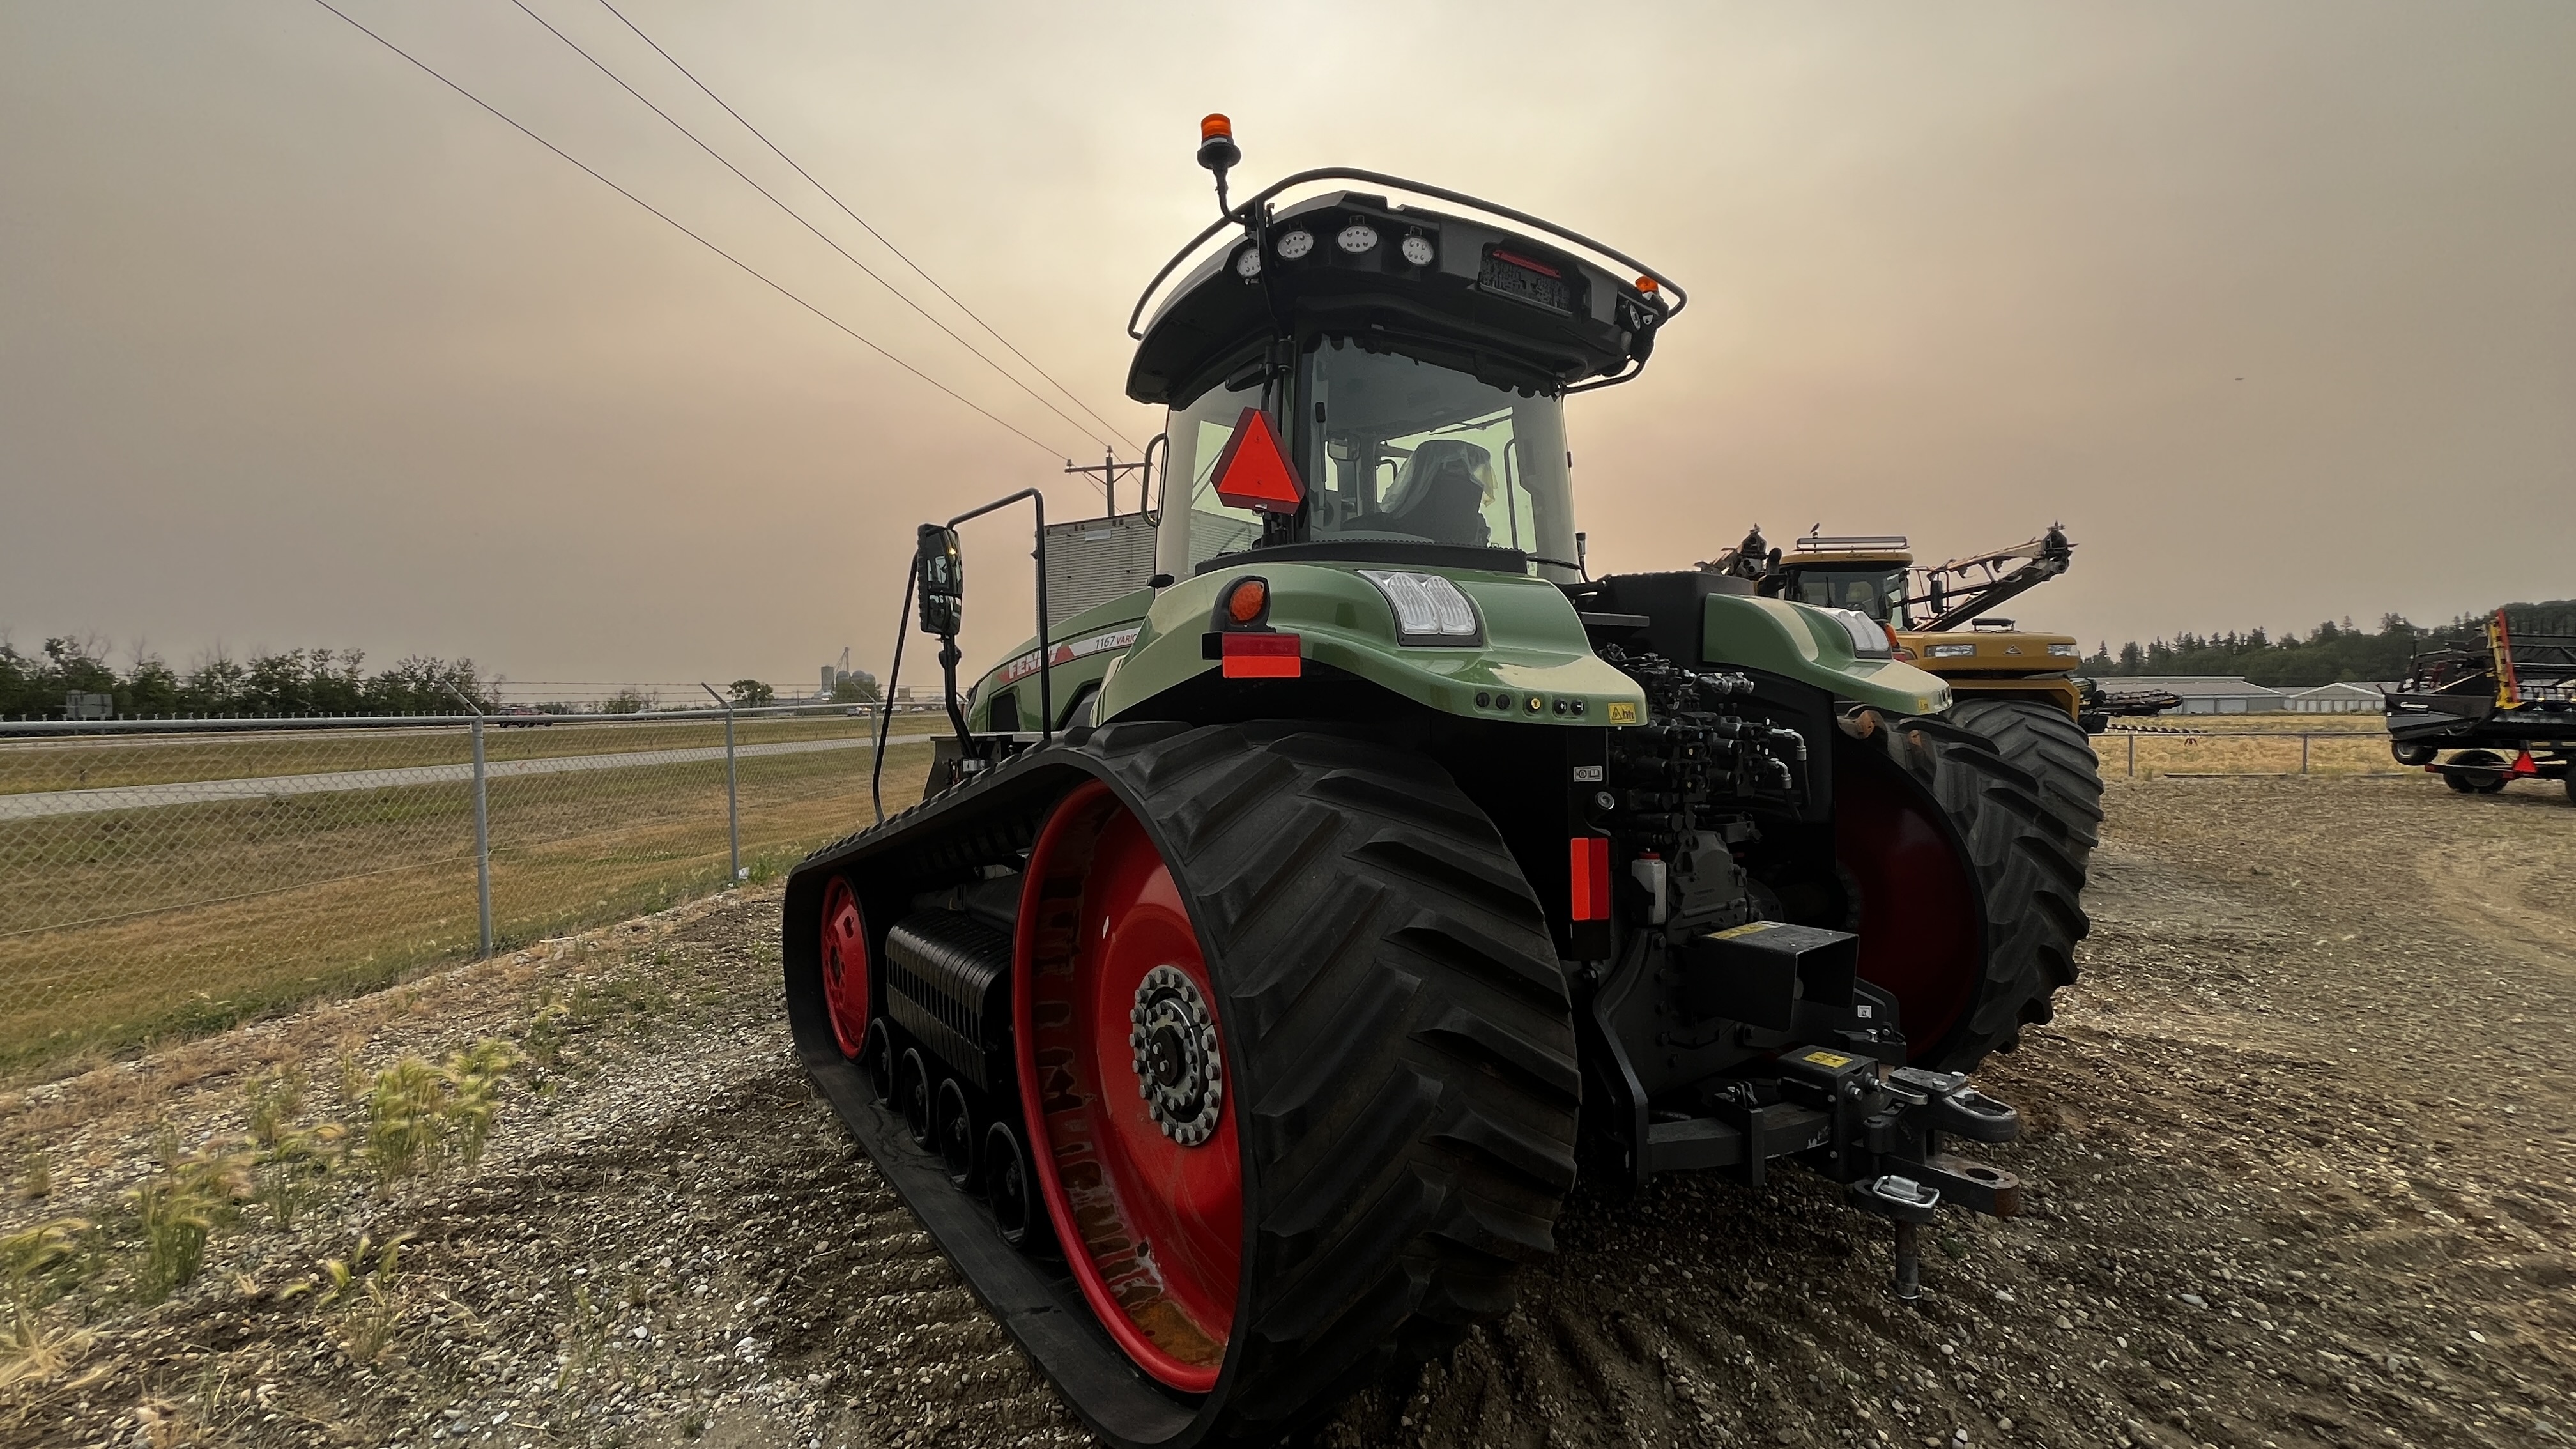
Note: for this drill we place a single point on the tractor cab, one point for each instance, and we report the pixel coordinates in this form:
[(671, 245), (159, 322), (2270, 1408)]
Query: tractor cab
[(1363, 380), (1866, 573)]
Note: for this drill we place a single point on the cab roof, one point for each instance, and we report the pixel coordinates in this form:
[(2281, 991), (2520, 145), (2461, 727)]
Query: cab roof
[(1503, 306)]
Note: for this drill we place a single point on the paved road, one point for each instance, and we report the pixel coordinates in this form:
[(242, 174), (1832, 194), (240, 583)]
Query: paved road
[(199, 792)]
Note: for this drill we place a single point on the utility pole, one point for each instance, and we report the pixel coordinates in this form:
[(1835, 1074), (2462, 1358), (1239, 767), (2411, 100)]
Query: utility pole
[(1109, 469)]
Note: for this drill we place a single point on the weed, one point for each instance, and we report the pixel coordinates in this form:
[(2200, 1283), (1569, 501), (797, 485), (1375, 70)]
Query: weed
[(32, 1352), (418, 1116), (41, 1263), (586, 1337), (546, 1034), (362, 1287), (274, 1102), (403, 1106), (473, 1084), (179, 1210), (37, 1180), (291, 1169)]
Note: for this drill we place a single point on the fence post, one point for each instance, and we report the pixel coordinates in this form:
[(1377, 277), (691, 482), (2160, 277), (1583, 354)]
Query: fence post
[(2303, 752), (733, 797), (482, 837), (2133, 756)]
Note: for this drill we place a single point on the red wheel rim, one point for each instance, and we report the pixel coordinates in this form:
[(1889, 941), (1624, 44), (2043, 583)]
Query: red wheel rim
[(1153, 1228), (1920, 935), (845, 967)]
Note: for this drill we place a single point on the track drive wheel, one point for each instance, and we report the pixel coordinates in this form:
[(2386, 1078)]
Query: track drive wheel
[(1969, 900), (2044, 740), (1297, 1060), (845, 967)]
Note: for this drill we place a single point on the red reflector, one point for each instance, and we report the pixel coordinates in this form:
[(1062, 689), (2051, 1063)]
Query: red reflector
[(1542, 268), (1261, 656), (2523, 764), (1591, 874), (1253, 472)]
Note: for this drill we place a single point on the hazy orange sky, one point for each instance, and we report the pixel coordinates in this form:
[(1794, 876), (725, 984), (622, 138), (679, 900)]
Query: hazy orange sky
[(2274, 305)]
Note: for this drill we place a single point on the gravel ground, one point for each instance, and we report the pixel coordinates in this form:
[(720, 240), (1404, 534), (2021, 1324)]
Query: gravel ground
[(2299, 1170)]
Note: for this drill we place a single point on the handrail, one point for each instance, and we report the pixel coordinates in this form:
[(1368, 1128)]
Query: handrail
[(1243, 215), (1046, 695)]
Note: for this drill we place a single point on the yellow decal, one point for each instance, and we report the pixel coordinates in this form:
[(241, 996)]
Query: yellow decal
[(1825, 1058), (1622, 712), (1747, 929)]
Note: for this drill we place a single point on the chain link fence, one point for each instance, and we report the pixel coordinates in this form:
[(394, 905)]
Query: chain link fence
[(160, 879)]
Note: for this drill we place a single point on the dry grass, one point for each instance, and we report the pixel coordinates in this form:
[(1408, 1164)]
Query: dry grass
[(2244, 751), (231, 910)]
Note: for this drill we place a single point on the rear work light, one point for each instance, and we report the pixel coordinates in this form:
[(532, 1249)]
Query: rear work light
[(1428, 609)]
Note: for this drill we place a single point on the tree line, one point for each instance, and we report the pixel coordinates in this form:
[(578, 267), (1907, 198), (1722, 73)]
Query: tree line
[(294, 682), (35, 685), (2330, 653)]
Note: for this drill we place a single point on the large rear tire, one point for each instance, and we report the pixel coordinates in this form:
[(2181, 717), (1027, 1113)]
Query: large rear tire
[(2044, 740), (1970, 903), (1297, 1059)]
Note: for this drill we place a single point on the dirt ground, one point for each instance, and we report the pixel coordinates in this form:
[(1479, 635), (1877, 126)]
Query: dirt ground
[(2300, 1169)]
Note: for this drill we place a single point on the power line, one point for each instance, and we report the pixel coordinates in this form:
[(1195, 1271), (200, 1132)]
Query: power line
[(746, 267), (863, 224), (773, 200)]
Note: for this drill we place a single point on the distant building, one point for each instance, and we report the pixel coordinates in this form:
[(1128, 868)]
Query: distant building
[(2343, 698), (2207, 693)]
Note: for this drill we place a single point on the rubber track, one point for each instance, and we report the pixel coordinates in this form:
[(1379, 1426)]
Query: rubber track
[(2032, 885), (2045, 741), (1399, 1039)]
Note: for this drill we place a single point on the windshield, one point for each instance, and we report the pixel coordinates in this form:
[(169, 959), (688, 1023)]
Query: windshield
[(1392, 450), (1879, 593)]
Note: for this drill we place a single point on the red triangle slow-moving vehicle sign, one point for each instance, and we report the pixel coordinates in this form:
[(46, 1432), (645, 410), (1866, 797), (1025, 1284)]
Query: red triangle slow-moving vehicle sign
[(1253, 471)]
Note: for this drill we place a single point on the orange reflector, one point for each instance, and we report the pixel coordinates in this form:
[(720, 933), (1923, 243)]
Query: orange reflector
[(1591, 873), (1216, 125), (1247, 600), (1253, 470), (1647, 286), (1262, 656)]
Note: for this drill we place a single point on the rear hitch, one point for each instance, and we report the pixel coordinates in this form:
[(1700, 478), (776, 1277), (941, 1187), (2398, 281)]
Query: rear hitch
[(1878, 1131), (1910, 1176)]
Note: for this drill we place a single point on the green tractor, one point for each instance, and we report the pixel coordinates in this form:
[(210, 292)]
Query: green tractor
[(1340, 870)]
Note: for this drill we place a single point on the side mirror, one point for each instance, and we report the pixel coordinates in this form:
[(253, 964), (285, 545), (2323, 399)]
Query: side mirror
[(939, 573)]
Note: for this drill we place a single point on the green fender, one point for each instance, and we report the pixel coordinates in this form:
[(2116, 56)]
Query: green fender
[(1084, 647), (1534, 649), (1808, 644)]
